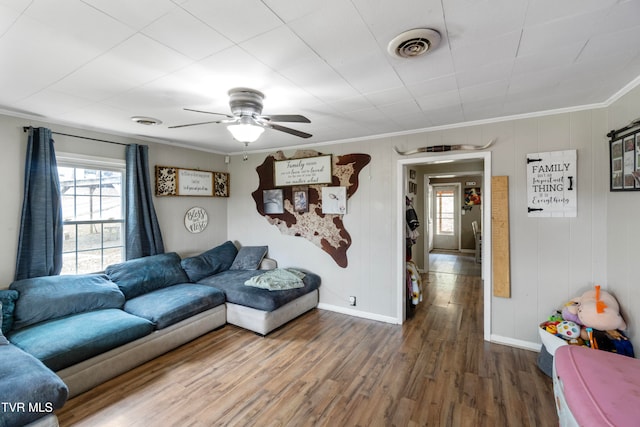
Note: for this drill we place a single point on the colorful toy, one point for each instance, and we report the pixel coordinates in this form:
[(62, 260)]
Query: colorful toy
[(568, 330), (570, 311)]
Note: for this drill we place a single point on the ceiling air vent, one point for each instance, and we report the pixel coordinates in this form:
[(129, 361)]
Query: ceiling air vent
[(414, 43)]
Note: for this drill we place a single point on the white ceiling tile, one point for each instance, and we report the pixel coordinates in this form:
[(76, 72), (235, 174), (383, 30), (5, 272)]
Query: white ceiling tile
[(484, 73), (439, 101), (599, 46), (186, 34), (485, 91), (135, 14), (476, 22), (539, 11), (279, 48), (389, 96), (386, 19), (380, 76), (433, 65), (237, 20), (573, 29), (39, 57), (338, 35), (320, 80), (135, 62), (503, 47), (441, 84)]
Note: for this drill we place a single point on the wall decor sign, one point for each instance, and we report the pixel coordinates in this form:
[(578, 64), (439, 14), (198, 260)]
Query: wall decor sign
[(551, 184), (303, 171), (173, 181), (196, 219)]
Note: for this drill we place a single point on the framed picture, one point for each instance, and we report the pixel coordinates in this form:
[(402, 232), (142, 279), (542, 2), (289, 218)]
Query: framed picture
[(472, 196), (334, 200), (624, 161), (300, 198), (273, 201)]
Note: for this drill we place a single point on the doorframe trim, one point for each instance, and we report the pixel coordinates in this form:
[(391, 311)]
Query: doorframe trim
[(486, 229)]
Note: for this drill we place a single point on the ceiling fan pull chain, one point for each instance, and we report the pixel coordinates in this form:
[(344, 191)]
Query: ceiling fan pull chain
[(245, 156)]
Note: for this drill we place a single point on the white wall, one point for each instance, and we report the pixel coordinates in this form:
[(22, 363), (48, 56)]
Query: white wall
[(623, 229), (551, 259), (170, 210)]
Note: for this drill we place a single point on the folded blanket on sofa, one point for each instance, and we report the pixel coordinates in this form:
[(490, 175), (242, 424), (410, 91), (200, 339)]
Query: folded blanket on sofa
[(277, 279)]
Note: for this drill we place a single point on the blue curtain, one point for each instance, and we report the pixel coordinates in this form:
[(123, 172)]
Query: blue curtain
[(40, 240), (143, 237)]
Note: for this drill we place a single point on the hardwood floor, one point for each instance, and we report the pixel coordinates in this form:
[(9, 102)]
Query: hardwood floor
[(331, 369)]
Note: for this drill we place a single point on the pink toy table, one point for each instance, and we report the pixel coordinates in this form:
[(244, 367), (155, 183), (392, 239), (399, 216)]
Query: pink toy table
[(596, 388)]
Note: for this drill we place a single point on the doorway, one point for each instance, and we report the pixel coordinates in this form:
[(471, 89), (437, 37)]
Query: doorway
[(401, 173)]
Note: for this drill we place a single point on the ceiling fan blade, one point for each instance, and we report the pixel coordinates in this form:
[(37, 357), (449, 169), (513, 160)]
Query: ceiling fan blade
[(196, 124), (286, 118), (208, 112), (289, 130)]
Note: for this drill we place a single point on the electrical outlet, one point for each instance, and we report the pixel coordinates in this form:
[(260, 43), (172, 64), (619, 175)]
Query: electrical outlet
[(352, 300)]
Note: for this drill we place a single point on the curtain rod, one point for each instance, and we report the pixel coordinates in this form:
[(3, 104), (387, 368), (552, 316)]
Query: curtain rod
[(634, 123), (26, 128)]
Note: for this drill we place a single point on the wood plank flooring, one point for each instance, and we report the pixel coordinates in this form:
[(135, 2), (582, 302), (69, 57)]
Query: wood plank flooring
[(329, 369)]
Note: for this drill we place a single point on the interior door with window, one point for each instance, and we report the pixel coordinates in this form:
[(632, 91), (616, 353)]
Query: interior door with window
[(446, 199)]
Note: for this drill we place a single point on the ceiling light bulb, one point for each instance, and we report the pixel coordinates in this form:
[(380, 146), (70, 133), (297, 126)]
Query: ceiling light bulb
[(244, 132)]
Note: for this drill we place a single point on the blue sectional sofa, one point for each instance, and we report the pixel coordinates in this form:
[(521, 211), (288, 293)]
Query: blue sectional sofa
[(79, 331)]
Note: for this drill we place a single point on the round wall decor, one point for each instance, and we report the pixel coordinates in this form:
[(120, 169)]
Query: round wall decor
[(196, 219)]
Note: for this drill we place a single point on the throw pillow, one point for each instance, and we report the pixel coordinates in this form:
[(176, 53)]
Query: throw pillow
[(249, 258), (211, 262), (8, 299)]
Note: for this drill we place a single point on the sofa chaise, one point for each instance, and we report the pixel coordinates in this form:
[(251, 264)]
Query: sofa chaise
[(90, 328)]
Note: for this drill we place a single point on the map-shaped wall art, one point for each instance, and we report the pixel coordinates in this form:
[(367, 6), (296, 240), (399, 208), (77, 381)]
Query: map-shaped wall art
[(326, 231)]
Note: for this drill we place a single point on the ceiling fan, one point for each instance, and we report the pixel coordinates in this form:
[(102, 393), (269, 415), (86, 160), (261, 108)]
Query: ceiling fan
[(247, 123)]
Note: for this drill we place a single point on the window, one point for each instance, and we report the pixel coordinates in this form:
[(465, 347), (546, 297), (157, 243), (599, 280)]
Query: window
[(92, 211), (445, 211)]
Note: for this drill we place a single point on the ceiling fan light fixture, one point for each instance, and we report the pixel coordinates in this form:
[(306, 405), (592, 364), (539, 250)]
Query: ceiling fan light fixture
[(245, 132)]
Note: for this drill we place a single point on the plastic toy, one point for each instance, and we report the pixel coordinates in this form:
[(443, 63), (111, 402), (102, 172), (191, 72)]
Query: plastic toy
[(568, 330)]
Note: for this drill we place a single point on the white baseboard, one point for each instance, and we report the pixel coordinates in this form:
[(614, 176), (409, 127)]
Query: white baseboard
[(512, 342), (358, 313)]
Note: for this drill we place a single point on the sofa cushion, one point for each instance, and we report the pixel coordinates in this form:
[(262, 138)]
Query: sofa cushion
[(231, 282), (63, 342), (249, 258), (142, 275), (210, 262), (3, 340), (8, 299), (170, 305), (25, 380), (51, 297)]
